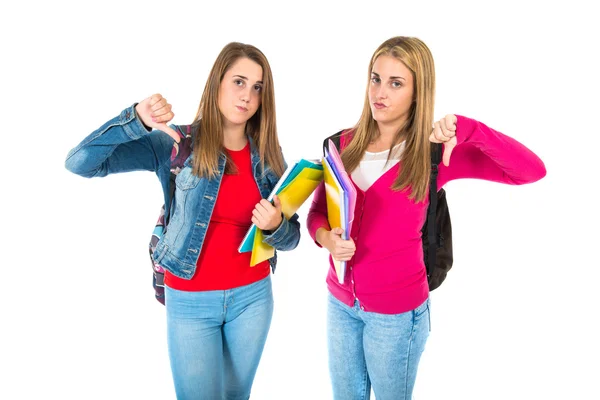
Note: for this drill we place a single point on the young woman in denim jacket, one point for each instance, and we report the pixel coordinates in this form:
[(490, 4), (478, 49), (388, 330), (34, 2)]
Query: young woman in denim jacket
[(219, 308), (378, 318)]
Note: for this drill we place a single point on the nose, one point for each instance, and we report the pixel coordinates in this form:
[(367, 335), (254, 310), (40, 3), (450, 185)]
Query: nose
[(245, 95), (381, 92)]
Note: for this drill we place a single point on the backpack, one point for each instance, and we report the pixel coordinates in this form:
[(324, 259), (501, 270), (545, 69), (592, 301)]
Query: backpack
[(437, 227), (180, 152)]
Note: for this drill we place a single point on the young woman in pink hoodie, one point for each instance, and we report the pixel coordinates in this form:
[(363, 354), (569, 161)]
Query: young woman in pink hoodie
[(378, 318)]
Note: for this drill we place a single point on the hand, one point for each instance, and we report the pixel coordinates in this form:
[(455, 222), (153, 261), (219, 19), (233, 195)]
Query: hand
[(444, 131), (267, 216), (340, 249), (155, 112)]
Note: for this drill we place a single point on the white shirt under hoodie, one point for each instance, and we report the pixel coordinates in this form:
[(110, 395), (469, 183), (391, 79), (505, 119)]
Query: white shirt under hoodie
[(373, 165)]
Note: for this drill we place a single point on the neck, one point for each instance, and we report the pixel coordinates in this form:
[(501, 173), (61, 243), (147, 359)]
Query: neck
[(387, 133), (234, 137)]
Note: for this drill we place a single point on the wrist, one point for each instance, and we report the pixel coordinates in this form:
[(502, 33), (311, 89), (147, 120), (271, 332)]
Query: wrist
[(280, 222), (274, 228), (322, 235), (137, 113)]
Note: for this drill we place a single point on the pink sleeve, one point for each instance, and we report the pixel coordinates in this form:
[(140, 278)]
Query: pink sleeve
[(483, 153), (317, 215)]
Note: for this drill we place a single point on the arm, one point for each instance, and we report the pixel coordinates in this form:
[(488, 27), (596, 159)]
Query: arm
[(317, 215), (125, 143), (286, 236), (483, 153), (278, 232), (321, 232)]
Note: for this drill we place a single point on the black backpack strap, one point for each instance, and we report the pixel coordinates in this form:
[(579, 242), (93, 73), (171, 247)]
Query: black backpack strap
[(335, 139), (436, 157)]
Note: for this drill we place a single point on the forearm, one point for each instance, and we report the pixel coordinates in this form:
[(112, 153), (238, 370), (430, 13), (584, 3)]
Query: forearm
[(321, 237), (121, 144), (484, 153), (317, 215)]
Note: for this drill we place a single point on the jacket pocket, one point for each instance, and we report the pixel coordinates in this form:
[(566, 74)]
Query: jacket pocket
[(186, 180), (160, 251)]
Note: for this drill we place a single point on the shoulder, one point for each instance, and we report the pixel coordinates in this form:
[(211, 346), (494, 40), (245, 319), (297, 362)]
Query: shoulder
[(342, 138)]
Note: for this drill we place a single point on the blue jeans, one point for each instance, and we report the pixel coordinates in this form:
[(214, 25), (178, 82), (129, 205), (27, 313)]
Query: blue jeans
[(216, 339), (367, 348)]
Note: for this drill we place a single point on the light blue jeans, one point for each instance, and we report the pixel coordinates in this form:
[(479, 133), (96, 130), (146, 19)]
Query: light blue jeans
[(216, 339), (367, 348)]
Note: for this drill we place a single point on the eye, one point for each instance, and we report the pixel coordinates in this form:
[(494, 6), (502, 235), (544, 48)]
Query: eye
[(396, 84), (239, 82), (258, 88), (375, 79)]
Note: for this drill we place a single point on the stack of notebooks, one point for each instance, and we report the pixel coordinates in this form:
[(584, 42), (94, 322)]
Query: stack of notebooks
[(296, 184), (341, 199)]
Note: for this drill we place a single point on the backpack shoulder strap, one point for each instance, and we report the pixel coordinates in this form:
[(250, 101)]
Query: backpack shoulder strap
[(436, 157), (180, 152), (335, 139), (436, 154), (183, 149)]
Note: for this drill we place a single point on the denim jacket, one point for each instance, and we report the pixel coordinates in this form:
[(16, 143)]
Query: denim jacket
[(123, 144)]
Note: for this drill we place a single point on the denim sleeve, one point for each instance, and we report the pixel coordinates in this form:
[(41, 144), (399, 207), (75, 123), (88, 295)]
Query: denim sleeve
[(120, 145), (287, 235)]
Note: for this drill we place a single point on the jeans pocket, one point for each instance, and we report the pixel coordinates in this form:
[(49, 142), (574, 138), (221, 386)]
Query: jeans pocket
[(421, 310)]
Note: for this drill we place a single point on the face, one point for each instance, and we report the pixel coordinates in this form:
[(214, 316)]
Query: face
[(390, 91), (240, 92)]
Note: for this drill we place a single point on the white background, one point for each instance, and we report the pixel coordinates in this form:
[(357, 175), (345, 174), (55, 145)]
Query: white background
[(517, 317)]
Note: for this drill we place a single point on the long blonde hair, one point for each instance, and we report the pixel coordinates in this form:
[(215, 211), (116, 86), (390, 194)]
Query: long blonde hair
[(208, 143), (415, 159)]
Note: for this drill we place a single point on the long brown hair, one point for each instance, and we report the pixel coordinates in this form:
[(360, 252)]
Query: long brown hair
[(415, 159), (208, 143)]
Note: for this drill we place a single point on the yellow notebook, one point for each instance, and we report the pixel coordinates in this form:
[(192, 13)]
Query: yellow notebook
[(334, 194), (299, 189), (260, 250), (291, 197)]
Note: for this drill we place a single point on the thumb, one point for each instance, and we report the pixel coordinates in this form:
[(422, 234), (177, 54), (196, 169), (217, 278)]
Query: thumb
[(277, 203), (448, 147), (169, 131), (338, 231)]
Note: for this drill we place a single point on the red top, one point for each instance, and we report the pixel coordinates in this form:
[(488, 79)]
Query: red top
[(387, 273), (220, 266)]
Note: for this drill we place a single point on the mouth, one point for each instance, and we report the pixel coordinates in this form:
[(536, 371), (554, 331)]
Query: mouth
[(379, 106), (241, 109)]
